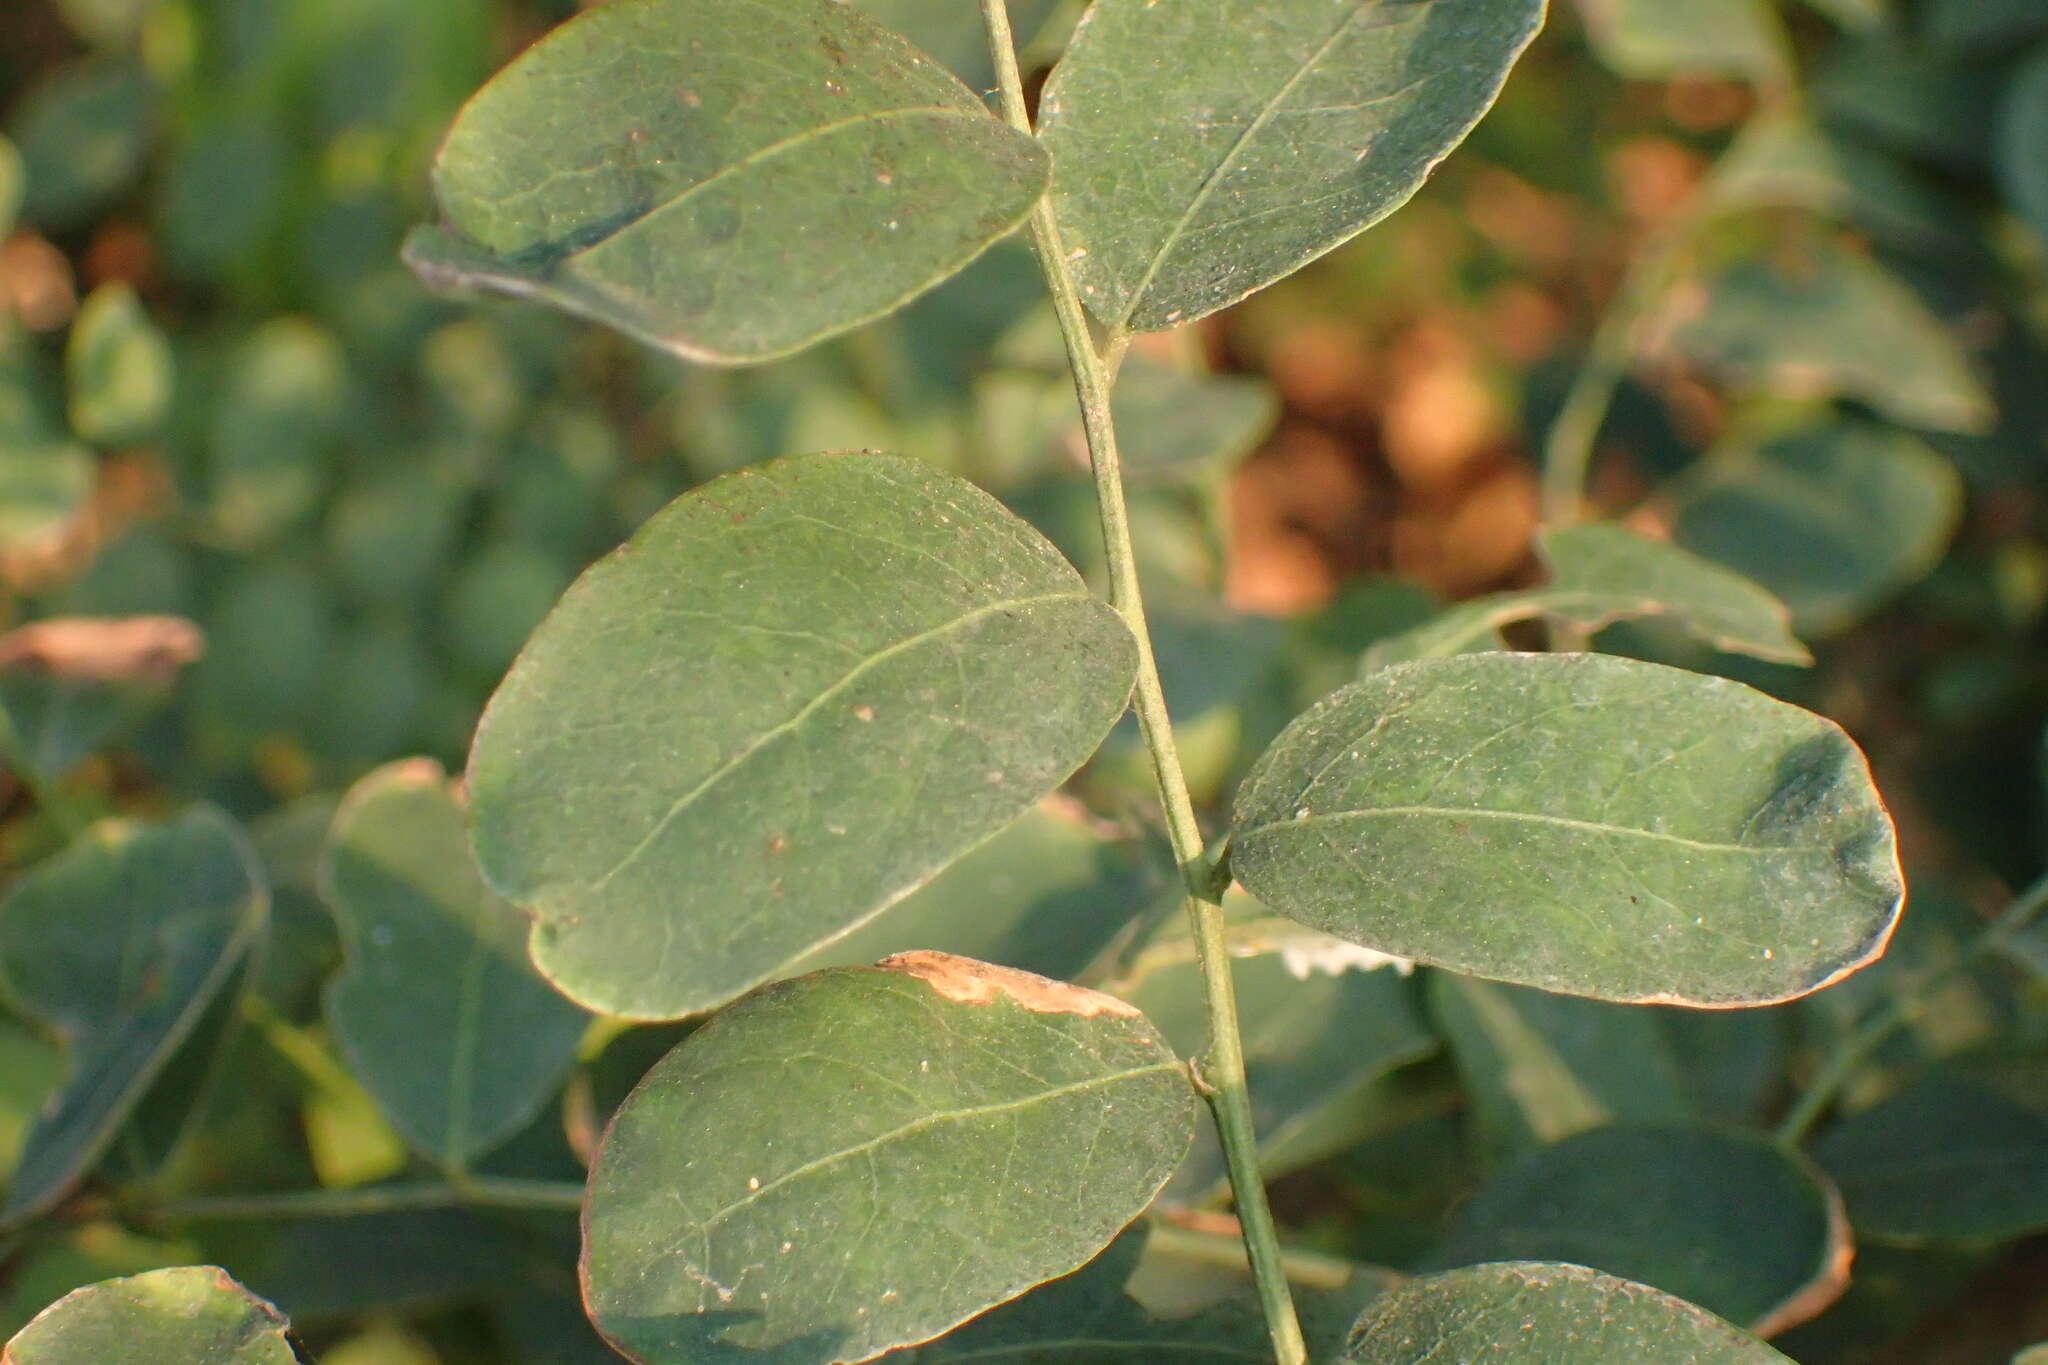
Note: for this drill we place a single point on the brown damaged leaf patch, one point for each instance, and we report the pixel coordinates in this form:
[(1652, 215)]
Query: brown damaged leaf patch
[(970, 982), (104, 649)]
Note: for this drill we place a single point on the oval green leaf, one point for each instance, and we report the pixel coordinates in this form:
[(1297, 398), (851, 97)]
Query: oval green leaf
[(439, 1012), (1730, 1221), (1206, 148), (790, 700), (1655, 39), (1942, 1161), (726, 188), (120, 943), (187, 1315), (862, 1158), (119, 366), (1530, 1313), (1584, 824)]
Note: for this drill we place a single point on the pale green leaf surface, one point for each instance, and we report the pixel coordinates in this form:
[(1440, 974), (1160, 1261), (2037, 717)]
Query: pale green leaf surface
[(1526, 1313), (955, 34), (1539, 1068), (1835, 324), (1584, 824), (1205, 148), (43, 485), (2033, 1355), (1172, 421), (119, 367), (863, 1158), (790, 700), (1604, 573), (1728, 1220), (729, 180), (439, 1012), (1941, 1161), (1833, 519), (2023, 143), (121, 943), (270, 437), (187, 1315), (1655, 39)]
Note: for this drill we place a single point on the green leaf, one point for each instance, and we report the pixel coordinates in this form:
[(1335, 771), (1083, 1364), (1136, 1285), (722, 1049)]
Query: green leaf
[(1856, 14), (121, 943), (187, 1315), (2033, 1355), (955, 34), (269, 443), (789, 701), (1909, 96), (1836, 323), (70, 685), (1046, 895), (43, 486), (1175, 422), (1654, 39), (2022, 132), (1601, 574), (1206, 148), (1983, 25), (1942, 1161), (120, 369), (11, 186), (1730, 1221), (1832, 518), (1539, 1068), (1783, 158), (82, 134), (727, 191), (1585, 824), (863, 1158), (439, 1012), (1526, 1313)]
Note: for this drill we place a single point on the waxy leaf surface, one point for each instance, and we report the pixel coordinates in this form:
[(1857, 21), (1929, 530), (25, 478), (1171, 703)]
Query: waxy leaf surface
[(865, 1157), (439, 1012), (729, 180), (1205, 148), (1531, 1313), (791, 699), (120, 944), (1727, 1220), (1584, 824), (187, 1315)]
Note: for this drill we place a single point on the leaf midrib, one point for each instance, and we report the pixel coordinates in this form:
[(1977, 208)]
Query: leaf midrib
[(1534, 818)]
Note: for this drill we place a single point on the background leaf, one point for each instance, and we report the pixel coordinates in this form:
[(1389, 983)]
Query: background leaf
[(120, 369), (1206, 148), (726, 191), (1580, 823), (1729, 1221), (188, 1315), (121, 943), (438, 1010), (2022, 132), (791, 699), (1533, 1314), (969, 1132), (1654, 40)]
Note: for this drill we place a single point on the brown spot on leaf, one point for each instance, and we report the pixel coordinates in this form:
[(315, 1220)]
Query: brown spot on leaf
[(970, 982), (104, 649)]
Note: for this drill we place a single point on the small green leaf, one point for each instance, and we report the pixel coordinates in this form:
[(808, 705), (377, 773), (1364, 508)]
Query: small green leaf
[(1205, 148), (120, 369), (11, 186), (187, 1315), (438, 1011), (726, 190), (270, 441), (1833, 519), (1836, 323), (121, 943), (1730, 1221), (1784, 159), (2022, 133), (1601, 574), (863, 1158), (1942, 1161), (789, 701), (1527, 1313), (43, 486), (1655, 39), (1585, 824), (82, 134), (1174, 422)]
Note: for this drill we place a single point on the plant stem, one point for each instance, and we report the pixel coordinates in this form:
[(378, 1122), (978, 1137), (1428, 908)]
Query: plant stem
[(1867, 1037), (1220, 1071), (475, 1191)]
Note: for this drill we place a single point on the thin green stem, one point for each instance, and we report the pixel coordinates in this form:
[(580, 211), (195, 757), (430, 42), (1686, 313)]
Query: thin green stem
[(1220, 1072), (475, 1191), (1867, 1037)]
